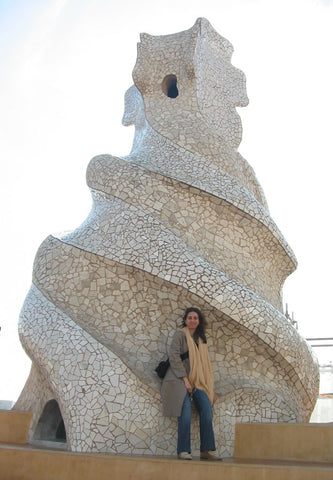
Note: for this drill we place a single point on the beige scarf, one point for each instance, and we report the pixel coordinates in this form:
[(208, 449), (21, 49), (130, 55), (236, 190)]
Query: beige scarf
[(201, 375)]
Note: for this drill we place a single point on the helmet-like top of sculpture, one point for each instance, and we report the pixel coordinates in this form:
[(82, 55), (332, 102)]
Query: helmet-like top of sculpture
[(190, 88)]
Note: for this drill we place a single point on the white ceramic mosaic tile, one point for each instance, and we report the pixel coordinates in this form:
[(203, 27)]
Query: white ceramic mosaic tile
[(181, 221)]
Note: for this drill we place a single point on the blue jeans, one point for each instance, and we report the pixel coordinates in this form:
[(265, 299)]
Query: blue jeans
[(204, 407)]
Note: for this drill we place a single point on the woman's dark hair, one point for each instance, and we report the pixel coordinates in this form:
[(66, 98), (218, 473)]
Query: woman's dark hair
[(200, 330)]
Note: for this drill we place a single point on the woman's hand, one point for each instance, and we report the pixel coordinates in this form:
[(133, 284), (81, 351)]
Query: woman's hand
[(214, 398), (187, 384)]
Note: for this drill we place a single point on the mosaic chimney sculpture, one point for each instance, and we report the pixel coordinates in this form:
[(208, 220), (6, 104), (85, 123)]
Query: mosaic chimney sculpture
[(181, 221)]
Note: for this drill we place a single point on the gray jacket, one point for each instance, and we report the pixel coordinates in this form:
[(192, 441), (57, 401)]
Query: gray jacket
[(173, 390)]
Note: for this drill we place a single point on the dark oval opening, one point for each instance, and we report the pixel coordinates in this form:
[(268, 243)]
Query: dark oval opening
[(169, 86)]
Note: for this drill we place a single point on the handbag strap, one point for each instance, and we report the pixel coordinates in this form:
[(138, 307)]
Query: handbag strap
[(184, 355)]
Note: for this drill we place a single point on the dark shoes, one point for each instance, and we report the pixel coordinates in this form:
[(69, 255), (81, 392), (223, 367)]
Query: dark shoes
[(209, 455)]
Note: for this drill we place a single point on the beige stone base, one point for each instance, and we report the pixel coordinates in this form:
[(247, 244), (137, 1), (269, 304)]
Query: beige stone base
[(304, 442), (262, 451), (18, 462), (14, 426)]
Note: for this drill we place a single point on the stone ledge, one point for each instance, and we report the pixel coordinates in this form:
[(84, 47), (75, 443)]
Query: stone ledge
[(14, 426), (307, 442), (18, 462)]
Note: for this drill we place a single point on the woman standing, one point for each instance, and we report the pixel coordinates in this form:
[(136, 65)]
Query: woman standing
[(187, 379)]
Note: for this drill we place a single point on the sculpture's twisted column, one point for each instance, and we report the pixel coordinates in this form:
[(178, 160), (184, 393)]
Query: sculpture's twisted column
[(181, 221)]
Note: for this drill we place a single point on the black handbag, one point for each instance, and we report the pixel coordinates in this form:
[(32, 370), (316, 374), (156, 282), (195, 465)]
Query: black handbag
[(163, 366)]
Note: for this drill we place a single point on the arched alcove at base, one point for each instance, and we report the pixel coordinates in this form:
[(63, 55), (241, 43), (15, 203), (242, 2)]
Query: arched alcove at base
[(50, 426)]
